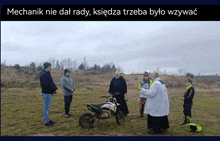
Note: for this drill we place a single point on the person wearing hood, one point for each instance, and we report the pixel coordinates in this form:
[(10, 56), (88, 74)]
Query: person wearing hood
[(118, 85), (48, 89), (68, 87), (146, 83), (157, 106)]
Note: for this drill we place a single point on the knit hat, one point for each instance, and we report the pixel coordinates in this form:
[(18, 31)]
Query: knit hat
[(66, 70), (146, 74), (46, 65)]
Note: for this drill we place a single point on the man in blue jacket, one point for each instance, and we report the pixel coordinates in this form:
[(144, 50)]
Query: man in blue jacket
[(48, 89)]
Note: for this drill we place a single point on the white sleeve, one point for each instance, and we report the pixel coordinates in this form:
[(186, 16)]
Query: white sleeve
[(147, 93)]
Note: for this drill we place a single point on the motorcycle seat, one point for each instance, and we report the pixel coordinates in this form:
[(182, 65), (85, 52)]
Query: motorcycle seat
[(98, 105)]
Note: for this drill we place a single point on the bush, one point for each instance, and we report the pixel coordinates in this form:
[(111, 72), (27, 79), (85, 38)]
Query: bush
[(17, 67)]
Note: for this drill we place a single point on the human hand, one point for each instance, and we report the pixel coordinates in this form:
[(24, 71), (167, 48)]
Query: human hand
[(56, 91), (72, 90)]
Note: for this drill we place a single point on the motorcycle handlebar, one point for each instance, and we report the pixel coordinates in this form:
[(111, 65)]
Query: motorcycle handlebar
[(104, 96)]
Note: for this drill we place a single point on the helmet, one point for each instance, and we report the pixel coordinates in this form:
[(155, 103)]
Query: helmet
[(193, 127)]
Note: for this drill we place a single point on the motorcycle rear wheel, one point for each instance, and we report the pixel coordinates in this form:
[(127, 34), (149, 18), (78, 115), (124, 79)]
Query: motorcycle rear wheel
[(85, 120), (120, 117)]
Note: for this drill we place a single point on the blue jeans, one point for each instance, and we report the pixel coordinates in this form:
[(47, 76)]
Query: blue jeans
[(47, 102)]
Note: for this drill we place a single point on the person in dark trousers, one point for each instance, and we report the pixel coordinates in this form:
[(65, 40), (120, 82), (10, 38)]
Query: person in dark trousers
[(147, 82), (118, 84), (188, 101), (157, 106), (48, 89), (68, 87)]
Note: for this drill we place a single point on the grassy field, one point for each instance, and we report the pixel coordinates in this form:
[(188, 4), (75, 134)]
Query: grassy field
[(22, 115)]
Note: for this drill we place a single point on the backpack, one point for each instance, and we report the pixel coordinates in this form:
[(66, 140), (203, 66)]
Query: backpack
[(193, 127)]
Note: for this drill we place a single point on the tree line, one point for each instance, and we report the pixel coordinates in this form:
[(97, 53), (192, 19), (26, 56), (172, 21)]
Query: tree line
[(72, 65)]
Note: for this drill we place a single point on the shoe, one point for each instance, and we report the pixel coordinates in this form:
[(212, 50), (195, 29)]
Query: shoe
[(140, 116), (182, 123), (49, 124), (52, 122), (185, 121), (67, 116)]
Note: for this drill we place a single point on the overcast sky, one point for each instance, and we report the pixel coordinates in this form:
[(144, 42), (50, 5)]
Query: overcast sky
[(134, 46)]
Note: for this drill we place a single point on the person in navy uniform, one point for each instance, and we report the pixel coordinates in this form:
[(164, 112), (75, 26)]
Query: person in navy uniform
[(188, 101)]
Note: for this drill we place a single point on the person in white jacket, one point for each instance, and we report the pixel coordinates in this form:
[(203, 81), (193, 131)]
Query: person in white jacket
[(157, 106)]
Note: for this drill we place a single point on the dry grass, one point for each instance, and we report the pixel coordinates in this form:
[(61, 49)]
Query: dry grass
[(21, 115)]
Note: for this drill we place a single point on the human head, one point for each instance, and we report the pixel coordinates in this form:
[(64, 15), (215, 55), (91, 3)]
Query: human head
[(67, 72), (47, 66), (146, 75), (117, 74), (155, 75), (188, 81)]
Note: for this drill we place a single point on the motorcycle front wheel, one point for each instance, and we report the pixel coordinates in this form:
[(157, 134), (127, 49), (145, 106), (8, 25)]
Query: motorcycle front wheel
[(85, 120), (120, 117)]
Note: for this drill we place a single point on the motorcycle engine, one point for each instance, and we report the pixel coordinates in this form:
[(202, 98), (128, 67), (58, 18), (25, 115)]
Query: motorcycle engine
[(105, 114)]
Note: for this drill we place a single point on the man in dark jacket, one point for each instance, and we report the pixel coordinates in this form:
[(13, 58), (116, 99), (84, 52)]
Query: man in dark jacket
[(118, 84), (48, 89), (188, 102)]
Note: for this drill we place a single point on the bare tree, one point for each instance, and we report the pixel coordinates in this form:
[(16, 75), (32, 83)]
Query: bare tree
[(73, 65), (68, 61), (54, 63), (85, 63), (120, 69), (180, 71), (4, 62), (165, 72), (57, 65), (50, 60)]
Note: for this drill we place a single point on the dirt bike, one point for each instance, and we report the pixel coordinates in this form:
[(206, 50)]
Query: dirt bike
[(102, 111)]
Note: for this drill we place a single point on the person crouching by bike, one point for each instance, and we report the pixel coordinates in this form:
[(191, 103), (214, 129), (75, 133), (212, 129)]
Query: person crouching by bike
[(118, 84), (68, 87), (146, 83)]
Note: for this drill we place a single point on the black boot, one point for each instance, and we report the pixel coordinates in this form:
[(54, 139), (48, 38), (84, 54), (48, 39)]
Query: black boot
[(141, 115), (141, 112), (188, 119)]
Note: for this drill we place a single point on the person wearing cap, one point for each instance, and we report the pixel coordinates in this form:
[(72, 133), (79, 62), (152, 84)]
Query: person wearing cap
[(118, 85), (188, 101), (68, 87), (157, 105), (146, 83), (48, 89)]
